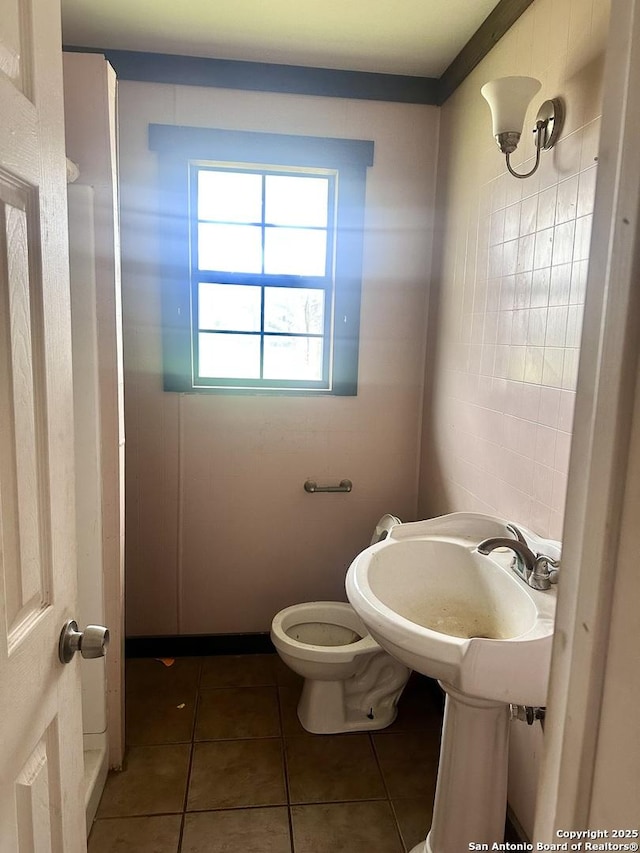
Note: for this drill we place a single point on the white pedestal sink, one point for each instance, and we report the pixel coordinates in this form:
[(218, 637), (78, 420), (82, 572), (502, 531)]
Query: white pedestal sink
[(437, 605)]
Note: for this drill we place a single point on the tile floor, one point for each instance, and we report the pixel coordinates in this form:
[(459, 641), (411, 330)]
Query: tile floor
[(218, 762)]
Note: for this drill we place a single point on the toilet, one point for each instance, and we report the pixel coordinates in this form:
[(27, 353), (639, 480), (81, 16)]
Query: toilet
[(350, 683)]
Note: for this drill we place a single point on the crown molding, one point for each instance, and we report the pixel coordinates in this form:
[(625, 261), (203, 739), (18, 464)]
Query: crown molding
[(267, 77), (485, 38)]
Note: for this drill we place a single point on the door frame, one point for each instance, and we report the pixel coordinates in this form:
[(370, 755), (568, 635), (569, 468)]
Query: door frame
[(90, 89), (603, 478)]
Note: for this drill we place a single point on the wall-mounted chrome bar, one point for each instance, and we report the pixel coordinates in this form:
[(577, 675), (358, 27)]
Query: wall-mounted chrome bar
[(311, 486)]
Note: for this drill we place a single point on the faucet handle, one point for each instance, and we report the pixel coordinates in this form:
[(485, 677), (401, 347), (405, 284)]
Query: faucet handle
[(517, 533), (547, 567)]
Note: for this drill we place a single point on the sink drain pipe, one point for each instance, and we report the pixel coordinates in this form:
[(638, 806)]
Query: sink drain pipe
[(527, 714)]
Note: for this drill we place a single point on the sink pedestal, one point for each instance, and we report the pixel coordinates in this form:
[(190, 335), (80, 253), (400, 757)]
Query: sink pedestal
[(471, 792)]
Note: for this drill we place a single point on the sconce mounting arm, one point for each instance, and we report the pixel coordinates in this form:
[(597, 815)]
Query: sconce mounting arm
[(549, 123), (539, 146)]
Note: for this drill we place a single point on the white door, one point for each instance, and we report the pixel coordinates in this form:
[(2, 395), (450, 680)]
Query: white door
[(41, 763)]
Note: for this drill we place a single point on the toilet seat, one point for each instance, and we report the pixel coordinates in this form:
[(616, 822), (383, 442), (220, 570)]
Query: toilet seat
[(322, 612)]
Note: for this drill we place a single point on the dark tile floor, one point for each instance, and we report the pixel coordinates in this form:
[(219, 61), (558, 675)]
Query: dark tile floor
[(217, 762)]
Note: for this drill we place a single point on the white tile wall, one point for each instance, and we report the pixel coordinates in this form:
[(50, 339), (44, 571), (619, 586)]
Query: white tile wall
[(506, 336), (509, 294)]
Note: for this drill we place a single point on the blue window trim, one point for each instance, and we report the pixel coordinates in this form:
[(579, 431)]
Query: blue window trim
[(176, 147)]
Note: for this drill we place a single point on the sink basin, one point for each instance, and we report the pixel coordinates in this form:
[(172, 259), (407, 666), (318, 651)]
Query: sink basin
[(434, 603)]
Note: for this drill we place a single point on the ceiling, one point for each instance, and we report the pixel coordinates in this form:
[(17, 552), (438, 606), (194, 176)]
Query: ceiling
[(408, 37)]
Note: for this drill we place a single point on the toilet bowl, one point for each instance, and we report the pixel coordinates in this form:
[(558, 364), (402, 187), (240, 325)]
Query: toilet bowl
[(350, 682)]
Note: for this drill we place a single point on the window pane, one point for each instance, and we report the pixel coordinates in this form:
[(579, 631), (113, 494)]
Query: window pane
[(231, 248), (293, 251), (296, 310), (229, 196), (296, 201), (233, 307), (292, 358), (229, 356)]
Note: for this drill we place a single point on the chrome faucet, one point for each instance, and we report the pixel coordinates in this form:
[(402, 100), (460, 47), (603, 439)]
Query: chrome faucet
[(537, 570)]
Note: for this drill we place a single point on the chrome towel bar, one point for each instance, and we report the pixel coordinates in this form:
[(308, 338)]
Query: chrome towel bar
[(343, 486)]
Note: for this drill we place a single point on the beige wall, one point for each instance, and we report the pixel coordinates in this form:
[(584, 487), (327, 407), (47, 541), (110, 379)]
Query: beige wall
[(220, 534), (508, 295)]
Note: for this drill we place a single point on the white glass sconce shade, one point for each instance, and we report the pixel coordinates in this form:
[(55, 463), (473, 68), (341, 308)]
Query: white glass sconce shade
[(509, 98)]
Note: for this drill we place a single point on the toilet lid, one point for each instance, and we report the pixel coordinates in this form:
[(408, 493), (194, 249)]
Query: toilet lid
[(383, 528)]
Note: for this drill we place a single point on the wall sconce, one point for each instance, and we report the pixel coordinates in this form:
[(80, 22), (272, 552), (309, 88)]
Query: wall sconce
[(508, 99)]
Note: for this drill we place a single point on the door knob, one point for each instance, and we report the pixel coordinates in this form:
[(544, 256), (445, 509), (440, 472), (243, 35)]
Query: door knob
[(91, 643)]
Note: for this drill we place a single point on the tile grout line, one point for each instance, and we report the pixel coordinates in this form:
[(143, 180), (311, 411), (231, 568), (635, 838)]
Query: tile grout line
[(190, 765), (186, 798), (285, 765), (228, 739), (279, 805), (403, 846), (136, 816)]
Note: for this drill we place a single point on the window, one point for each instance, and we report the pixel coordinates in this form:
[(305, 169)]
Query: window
[(261, 275), (262, 253)]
